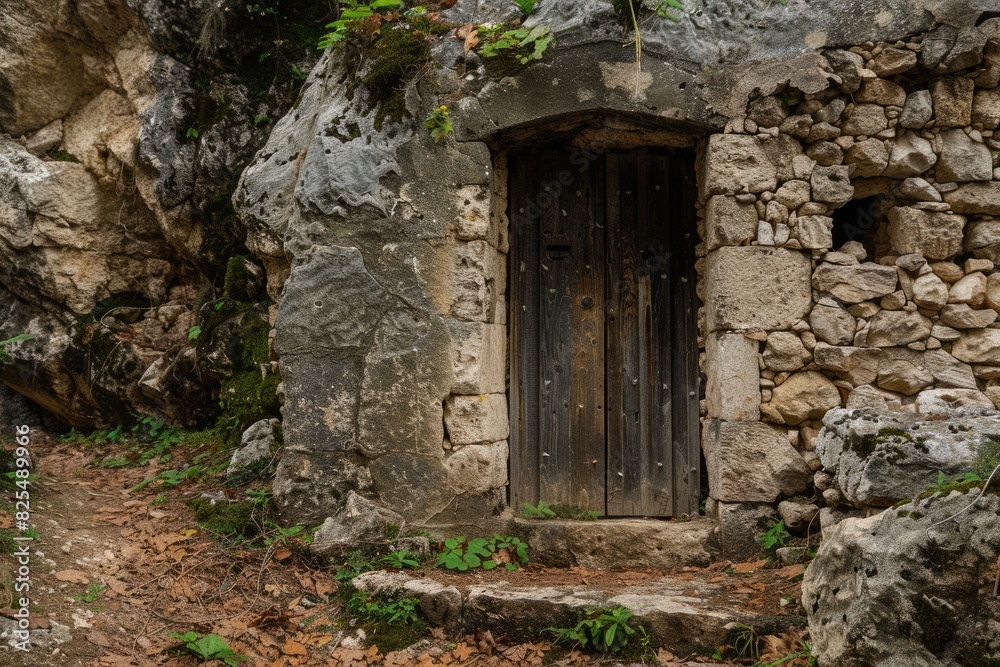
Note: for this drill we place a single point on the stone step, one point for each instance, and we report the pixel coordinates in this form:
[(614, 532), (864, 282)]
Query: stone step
[(620, 543), (686, 617)]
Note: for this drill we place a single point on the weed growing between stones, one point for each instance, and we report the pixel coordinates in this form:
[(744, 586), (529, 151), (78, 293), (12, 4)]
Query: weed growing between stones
[(206, 647), (393, 623), (544, 510), (606, 631), (774, 537), (457, 553)]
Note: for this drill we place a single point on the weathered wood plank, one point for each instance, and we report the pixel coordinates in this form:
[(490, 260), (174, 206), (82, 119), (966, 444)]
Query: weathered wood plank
[(658, 496), (555, 347), (523, 326), (615, 409), (587, 426)]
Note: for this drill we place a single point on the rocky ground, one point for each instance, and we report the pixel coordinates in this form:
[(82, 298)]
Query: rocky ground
[(115, 571)]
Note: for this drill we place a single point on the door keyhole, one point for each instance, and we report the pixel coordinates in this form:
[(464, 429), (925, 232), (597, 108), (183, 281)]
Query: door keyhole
[(587, 302)]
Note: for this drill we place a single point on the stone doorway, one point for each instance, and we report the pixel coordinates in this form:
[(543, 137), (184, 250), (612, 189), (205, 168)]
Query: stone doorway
[(604, 357)]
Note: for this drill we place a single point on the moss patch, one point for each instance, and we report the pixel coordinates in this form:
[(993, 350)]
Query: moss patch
[(234, 522)]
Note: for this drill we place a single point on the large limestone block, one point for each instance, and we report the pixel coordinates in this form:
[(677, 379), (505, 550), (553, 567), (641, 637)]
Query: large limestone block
[(983, 239), (478, 468), (917, 111), (752, 462), (981, 198), (929, 291), (911, 155), (785, 352), (832, 324), (933, 234), (961, 316), (856, 283), (831, 185), (737, 163), (952, 101), (986, 107), (870, 157), (473, 420), (755, 287), (963, 159), (478, 273), (728, 222), (357, 524), (331, 302), (479, 357), (857, 365), (903, 377), (949, 371), (732, 389), (940, 403), (978, 346), (892, 328), (804, 396), (407, 375), (971, 289)]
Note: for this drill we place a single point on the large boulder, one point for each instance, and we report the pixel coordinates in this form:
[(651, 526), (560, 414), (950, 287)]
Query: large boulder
[(910, 586), (878, 458)]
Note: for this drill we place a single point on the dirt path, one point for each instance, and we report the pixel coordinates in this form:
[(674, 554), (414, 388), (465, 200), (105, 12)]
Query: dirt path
[(115, 571)]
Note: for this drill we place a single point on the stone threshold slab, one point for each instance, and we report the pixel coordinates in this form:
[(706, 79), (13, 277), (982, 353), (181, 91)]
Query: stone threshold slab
[(620, 543), (686, 617)]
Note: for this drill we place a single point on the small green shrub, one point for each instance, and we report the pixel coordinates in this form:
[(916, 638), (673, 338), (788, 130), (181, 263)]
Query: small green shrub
[(91, 594), (439, 123), (357, 562), (208, 647), (526, 43), (527, 6), (774, 537), (602, 631), (544, 510), (457, 553), (393, 623), (401, 559)]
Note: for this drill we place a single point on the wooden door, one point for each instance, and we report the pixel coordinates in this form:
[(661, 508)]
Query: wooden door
[(603, 354)]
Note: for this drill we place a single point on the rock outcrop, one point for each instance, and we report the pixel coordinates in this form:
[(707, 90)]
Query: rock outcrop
[(912, 585)]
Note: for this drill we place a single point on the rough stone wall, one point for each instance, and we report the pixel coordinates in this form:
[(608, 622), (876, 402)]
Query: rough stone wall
[(391, 329), (902, 313)]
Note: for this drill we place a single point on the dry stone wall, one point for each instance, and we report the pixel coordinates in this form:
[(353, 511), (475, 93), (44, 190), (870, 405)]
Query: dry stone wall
[(851, 243)]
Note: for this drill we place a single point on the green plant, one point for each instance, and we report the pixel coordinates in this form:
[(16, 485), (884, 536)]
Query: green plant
[(4, 357), (208, 647), (744, 641), (91, 594), (194, 332), (774, 536), (115, 462), (401, 559), (527, 43), (663, 9), (158, 500), (601, 630), (298, 73), (351, 17), (540, 511), (394, 623), (439, 123), (262, 118), (358, 562), (191, 133), (527, 6), (544, 510), (457, 553), (806, 651)]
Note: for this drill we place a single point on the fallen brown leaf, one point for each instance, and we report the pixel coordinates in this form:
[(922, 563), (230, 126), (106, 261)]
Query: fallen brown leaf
[(72, 576)]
